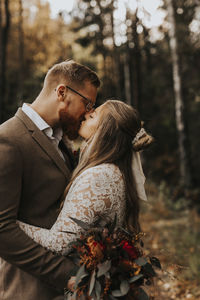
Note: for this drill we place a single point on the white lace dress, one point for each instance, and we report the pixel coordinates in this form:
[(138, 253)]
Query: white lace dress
[(98, 189)]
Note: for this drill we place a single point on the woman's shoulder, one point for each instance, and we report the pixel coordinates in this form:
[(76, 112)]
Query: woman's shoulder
[(102, 169), (103, 173)]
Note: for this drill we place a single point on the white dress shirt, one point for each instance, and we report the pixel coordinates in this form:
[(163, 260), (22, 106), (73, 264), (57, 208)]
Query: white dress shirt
[(54, 135)]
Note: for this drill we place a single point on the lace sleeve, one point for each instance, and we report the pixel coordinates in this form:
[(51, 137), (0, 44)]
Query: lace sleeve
[(97, 189)]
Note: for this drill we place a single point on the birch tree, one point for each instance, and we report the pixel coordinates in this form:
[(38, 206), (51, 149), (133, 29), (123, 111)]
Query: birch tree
[(185, 175)]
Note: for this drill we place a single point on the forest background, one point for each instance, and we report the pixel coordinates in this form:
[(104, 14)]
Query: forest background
[(152, 65)]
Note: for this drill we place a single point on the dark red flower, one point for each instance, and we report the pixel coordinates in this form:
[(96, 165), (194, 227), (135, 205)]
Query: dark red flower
[(131, 250), (94, 243), (103, 247)]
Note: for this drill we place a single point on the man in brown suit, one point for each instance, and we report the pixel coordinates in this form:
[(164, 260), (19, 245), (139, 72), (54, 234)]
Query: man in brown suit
[(35, 167)]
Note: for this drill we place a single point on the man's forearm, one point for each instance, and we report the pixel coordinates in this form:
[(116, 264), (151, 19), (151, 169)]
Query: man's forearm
[(18, 249)]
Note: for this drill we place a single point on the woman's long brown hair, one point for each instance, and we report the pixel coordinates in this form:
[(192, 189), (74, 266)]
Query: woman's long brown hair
[(112, 143)]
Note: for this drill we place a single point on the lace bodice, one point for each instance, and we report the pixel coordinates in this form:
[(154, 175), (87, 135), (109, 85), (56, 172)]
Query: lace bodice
[(98, 189)]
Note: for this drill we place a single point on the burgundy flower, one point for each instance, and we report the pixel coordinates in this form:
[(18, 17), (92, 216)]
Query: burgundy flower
[(103, 247), (131, 250)]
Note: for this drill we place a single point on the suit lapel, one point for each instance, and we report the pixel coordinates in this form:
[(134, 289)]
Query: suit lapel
[(67, 153), (44, 142), (47, 146)]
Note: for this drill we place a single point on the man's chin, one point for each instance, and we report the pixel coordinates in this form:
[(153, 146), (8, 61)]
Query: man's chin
[(69, 125), (72, 135)]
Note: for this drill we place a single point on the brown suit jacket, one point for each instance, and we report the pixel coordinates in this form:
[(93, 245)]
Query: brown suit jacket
[(33, 177)]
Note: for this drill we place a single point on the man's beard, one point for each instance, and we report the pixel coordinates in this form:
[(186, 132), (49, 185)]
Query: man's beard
[(69, 124)]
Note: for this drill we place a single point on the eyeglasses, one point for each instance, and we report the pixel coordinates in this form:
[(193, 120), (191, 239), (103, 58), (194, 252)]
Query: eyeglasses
[(88, 105)]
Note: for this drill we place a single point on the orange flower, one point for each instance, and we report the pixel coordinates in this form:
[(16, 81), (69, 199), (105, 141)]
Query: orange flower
[(132, 265), (95, 248)]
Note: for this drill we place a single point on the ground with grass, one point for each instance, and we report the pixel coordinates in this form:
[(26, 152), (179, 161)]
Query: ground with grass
[(173, 235)]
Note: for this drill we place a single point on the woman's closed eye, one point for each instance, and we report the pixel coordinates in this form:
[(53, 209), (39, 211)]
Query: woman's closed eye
[(92, 114)]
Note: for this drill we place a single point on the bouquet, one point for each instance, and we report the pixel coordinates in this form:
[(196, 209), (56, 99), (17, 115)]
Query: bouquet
[(111, 263)]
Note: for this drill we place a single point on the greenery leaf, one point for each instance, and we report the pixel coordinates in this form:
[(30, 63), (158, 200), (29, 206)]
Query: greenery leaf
[(107, 275), (141, 243), (141, 261), (124, 287), (125, 231), (73, 296), (103, 268), (155, 262), (117, 293), (67, 295), (93, 295), (92, 282), (80, 223), (111, 297), (80, 275), (70, 232), (148, 269), (113, 224), (142, 295), (135, 278), (98, 290)]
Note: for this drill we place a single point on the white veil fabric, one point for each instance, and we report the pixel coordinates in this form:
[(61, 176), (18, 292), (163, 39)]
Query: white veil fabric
[(139, 176)]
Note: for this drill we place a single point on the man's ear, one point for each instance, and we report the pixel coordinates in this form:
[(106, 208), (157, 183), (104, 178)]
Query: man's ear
[(61, 92)]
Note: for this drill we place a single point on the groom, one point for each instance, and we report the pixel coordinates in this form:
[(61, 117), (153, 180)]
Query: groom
[(35, 167)]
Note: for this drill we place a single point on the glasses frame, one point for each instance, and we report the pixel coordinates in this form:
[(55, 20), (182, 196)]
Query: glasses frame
[(89, 105)]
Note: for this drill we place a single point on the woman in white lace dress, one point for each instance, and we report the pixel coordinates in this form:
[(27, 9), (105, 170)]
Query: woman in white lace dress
[(103, 181)]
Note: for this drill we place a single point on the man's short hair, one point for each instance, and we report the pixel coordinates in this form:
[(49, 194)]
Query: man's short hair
[(70, 72)]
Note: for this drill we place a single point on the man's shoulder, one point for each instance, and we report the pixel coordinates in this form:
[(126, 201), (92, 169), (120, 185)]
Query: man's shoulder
[(12, 128)]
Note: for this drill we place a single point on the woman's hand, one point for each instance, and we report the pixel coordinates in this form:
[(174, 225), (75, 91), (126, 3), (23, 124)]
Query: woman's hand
[(71, 283)]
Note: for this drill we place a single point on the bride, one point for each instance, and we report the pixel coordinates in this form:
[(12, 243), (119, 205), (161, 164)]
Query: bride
[(103, 181)]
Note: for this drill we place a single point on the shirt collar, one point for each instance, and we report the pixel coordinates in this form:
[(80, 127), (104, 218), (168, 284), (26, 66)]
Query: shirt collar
[(41, 123)]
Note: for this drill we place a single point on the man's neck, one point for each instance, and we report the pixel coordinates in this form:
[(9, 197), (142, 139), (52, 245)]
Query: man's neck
[(44, 111)]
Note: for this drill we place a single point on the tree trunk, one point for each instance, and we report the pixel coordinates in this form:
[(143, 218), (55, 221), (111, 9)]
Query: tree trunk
[(185, 175), (127, 78), (148, 63), (1, 25), (1, 58), (115, 55), (3, 45), (21, 52), (136, 65)]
